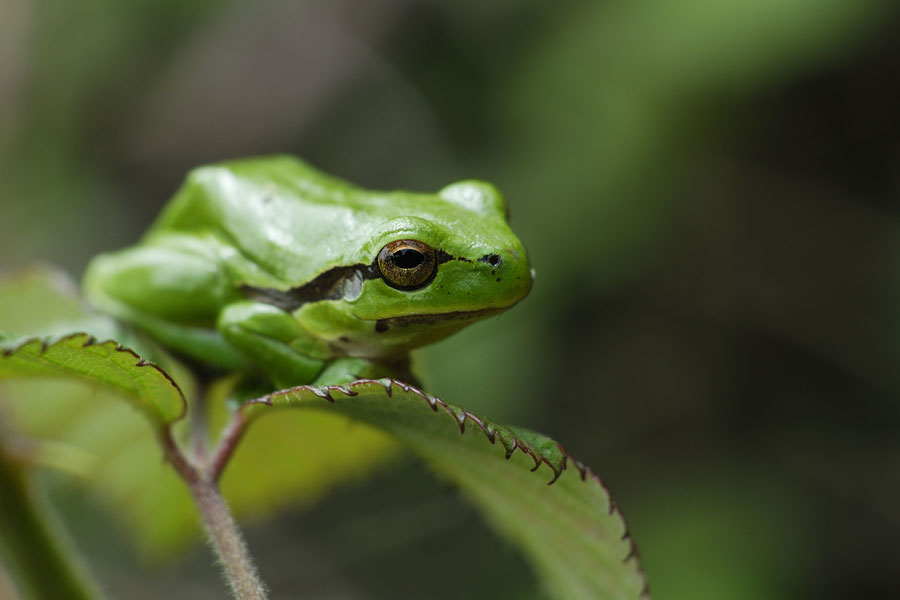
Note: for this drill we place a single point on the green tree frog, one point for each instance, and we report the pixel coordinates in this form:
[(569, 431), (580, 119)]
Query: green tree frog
[(270, 266)]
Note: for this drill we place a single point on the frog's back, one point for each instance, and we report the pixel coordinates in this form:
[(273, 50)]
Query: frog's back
[(286, 218)]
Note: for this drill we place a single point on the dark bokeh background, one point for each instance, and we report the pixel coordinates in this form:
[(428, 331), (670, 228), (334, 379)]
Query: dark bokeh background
[(708, 190)]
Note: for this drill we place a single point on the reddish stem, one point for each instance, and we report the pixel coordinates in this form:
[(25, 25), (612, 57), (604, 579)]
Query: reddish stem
[(188, 471), (226, 446)]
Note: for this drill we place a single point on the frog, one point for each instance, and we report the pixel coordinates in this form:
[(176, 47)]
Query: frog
[(273, 269)]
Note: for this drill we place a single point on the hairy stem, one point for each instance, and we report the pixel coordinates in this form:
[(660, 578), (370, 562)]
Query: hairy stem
[(34, 549), (221, 529), (227, 542)]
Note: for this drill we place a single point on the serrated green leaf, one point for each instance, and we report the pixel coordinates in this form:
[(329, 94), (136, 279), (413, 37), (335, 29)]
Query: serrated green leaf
[(127, 473), (126, 470), (570, 530), (80, 356)]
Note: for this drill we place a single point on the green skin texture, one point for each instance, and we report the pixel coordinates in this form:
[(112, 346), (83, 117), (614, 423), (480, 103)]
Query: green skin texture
[(275, 224)]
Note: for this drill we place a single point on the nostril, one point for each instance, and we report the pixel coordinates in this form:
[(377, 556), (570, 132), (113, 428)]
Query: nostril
[(492, 259)]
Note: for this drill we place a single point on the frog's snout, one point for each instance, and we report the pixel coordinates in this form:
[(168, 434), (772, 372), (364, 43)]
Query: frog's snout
[(510, 268)]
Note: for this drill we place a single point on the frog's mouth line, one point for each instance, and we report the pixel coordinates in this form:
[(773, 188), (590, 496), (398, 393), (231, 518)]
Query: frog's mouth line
[(382, 325)]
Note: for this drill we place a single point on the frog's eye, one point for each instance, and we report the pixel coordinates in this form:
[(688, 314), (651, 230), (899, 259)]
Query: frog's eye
[(407, 264)]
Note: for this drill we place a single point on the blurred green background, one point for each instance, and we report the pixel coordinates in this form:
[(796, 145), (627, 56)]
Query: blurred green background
[(709, 193)]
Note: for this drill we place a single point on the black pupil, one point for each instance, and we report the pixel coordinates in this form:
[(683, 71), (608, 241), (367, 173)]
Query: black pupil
[(407, 258)]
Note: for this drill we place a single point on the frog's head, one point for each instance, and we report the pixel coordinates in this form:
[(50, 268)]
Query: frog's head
[(432, 265)]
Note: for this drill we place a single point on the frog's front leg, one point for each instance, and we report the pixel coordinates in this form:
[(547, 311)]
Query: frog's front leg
[(273, 340), (265, 334), (350, 368)]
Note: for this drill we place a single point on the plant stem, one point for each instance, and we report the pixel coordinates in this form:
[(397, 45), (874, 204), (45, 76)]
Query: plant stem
[(221, 528), (226, 540), (39, 560), (227, 445)]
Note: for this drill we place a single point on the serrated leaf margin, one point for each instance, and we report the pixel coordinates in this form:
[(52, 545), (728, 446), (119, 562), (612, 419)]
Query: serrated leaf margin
[(88, 341), (508, 438)]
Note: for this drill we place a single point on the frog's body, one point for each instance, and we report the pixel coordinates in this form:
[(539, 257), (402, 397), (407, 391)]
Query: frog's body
[(268, 264)]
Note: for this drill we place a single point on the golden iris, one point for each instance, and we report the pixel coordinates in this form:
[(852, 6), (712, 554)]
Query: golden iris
[(407, 264)]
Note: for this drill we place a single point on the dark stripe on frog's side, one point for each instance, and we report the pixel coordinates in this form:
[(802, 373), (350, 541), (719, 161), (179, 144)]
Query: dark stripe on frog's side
[(326, 286)]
